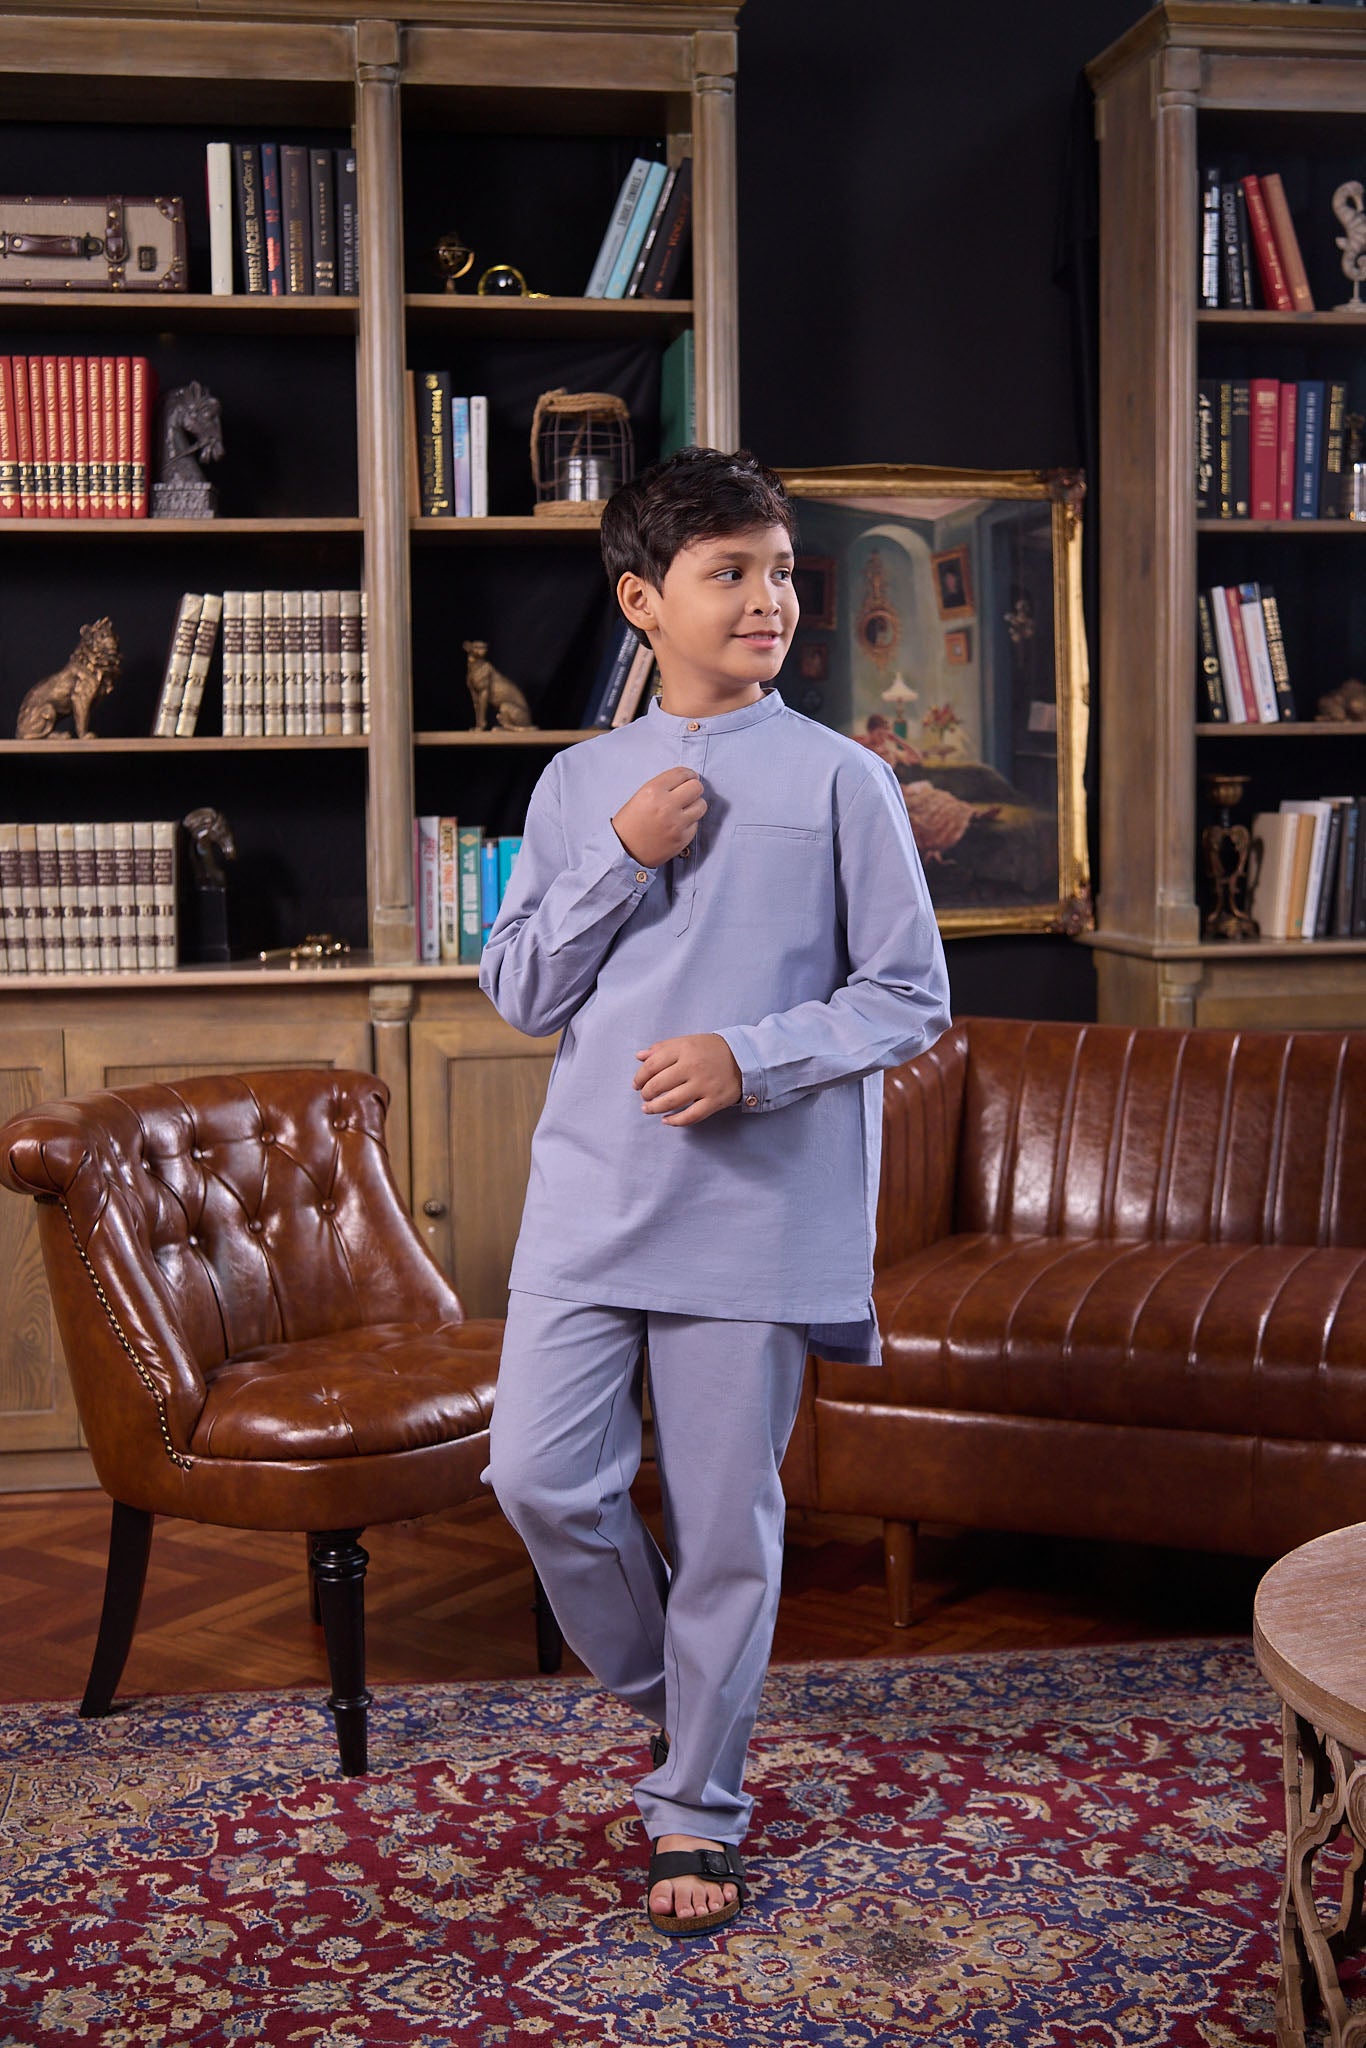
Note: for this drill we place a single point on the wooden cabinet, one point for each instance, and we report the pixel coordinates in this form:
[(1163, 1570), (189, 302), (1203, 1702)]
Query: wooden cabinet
[(512, 127), (1266, 87)]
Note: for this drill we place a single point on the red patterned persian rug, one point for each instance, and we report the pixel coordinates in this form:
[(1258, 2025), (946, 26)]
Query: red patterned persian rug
[(1046, 1850)]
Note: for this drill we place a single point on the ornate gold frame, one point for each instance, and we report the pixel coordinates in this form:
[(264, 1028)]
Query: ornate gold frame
[(1073, 911)]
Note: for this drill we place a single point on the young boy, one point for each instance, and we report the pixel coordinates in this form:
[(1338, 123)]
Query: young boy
[(721, 907)]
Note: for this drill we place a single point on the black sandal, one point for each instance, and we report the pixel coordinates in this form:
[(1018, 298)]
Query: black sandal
[(659, 1750), (718, 1866)]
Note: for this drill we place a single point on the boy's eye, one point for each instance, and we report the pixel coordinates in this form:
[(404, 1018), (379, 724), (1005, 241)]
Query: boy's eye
[(786, 574)]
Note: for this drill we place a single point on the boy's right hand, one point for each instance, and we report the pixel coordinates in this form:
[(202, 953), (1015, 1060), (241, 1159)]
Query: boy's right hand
[(662, 817)]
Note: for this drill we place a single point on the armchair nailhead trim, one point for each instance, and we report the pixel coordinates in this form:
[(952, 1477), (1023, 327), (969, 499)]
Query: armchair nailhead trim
[(176, 1457)]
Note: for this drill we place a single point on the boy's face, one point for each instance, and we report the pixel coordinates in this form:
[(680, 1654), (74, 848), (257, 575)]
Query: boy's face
[(727, 612)]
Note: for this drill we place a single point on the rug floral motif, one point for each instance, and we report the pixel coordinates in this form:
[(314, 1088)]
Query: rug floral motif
[(1075, 1849)]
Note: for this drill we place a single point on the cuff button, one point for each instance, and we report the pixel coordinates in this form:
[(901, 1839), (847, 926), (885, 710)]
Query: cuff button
[(751, 1102), (641, 875)]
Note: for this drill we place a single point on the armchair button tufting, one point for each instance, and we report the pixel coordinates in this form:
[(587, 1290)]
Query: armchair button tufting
[(267, 1137), (256, 1226), (196, 1153), (192, 1239), (328, 1208)]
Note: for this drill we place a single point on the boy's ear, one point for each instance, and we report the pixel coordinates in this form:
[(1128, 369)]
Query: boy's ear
[(637, 600)]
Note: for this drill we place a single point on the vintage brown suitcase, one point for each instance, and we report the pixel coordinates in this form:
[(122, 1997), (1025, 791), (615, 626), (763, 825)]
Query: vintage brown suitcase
[(92, 245)]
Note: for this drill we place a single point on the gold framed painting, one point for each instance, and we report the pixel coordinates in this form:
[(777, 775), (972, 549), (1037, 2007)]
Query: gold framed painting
[(983, 723)]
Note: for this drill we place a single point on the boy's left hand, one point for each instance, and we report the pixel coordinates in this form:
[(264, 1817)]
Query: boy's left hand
[(687, 1079)]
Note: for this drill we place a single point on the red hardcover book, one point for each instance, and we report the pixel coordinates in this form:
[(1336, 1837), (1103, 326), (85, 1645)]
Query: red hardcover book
[(94, 422), (1246, 685), (1287, 243), (1287, 422), (52, 430), (109, 410), (66, 432), (139, 493), (80, 432), (1266, 405), (9, 444), (1275, 290), (42, 479), (123, 437), (23, 434)]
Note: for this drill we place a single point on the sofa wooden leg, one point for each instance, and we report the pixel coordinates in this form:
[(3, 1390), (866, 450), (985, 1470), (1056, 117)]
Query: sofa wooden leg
[(898, 1550), (130, 1543), (315, 1613), (339, 1572)]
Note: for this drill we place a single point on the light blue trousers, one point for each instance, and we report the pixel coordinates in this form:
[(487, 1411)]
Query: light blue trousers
[(687, 1646)]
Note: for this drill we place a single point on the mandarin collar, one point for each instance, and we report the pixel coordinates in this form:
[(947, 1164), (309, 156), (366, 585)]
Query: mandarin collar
[(723, 722)]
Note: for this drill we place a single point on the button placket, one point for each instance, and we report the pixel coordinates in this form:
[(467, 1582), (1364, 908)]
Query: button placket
[(692, 753)]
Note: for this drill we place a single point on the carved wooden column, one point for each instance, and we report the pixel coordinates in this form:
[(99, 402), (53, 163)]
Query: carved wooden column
[(384, 501), (391, 1011), (715, 317)]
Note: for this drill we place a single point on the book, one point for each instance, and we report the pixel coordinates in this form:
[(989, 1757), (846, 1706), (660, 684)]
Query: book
[(140, 437), (1240, 429), (434, 444), (177, 665), (665, 264), (251, 235), (1306, 827), (1359, 871), (53, 431), (364, 661), (479, 458), (1334, 449), (613, 669), (448, 890), (106, 898), (273, 662), (617, 225), (427, 872), (1344, 900), (296, 213), (1311, 857), (1211, 186), (509, 845), (1246, 261), (87, 898), (469, 842), (109, 409), (1323, 911), (49, 899), (1230, 255), (1275, 290), (66, 432), (1274, 838), (232, 662), (678, 395), (311, 624), (253, 664), (80, 429), (348, 222), (633, 689), (219, 176), (10, 507), (1264, 399), (123, 437), (323, 222), (620, 274), (1275, 647), (1287, 244), (1309, 447), (66, 889), (348, 660), (488, 889), (1239, 711), (126, 907), (1287, 434), (205, 634), (1259, 659), (28, 895), (1247, 681), (272, 219), (1206, 448), (12, 958), (460, 457), (23, 436), (651, 232), (144, 896), (292, 659), (1213, 706), (165, 922)]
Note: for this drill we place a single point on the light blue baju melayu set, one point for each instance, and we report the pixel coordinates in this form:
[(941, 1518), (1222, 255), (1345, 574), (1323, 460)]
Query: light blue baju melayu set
[(798, 926)]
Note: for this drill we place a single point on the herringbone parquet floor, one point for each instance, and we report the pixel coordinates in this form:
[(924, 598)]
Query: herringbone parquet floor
[(450, 1598)]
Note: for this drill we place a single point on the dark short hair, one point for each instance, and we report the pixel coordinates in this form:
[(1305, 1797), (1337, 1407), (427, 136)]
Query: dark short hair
[(697, 494)]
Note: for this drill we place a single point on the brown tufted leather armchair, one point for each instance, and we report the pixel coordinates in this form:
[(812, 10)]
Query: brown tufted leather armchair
[(256, 1334)]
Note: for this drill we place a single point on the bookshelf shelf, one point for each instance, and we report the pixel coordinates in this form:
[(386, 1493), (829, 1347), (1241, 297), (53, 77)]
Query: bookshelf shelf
[(564, 737), (178, 529), (496, 528), (524, 319), (1290, 728), (201, 743), (1333, 322), (1283, 528), (177, 312)]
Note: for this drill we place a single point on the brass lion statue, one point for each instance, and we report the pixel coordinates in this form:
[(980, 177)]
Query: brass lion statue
[(75, 690), (491, 690)]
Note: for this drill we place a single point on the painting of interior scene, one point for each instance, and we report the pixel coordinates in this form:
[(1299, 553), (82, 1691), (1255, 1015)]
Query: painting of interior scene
[(927, 635)]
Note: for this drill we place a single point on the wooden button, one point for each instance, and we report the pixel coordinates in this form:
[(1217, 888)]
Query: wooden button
[(751, 1102), (641, 875)]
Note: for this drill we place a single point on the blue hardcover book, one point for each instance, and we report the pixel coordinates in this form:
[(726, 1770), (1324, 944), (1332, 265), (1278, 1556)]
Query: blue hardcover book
[(635, 232), (470, 840), (461, 473), (270, 209), (507, 854), (488, 887), (616, 662), (1309, 448), (616, 227)]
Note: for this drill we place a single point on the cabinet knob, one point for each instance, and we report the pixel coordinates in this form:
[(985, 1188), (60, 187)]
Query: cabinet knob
[(434, 1208)]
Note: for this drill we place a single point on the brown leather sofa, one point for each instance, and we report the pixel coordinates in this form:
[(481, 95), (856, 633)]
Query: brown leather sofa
[(1121, 1284)]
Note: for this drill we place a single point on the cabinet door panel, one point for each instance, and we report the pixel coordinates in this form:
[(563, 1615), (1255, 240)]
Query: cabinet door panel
[(478, 1089), (37, 1412), (173, 1047)]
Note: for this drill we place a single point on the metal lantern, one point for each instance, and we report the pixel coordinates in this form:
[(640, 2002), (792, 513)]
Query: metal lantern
[(581, 450)]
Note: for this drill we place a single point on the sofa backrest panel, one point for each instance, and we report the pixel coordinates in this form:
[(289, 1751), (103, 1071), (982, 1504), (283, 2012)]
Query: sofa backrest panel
[(1095, 1130)]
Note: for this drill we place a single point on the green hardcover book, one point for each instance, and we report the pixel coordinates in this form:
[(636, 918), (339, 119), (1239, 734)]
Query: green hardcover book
[(471, 928), (678, 395)]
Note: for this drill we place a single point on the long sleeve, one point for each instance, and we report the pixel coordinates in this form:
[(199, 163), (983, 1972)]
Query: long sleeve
[(558, 917), (895, 1002)]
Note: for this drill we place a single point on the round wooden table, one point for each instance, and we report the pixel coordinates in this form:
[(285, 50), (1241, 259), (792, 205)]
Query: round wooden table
[(1309, 1632)]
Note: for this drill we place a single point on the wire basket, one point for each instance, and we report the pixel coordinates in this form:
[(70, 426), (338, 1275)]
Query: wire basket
[(581, 450)]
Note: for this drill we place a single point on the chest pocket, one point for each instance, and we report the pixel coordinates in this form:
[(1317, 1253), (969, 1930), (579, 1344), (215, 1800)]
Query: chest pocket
[(776, 877)]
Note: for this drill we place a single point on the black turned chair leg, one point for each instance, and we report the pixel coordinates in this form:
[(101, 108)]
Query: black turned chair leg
[(315, 1613), (339, 1575), (130, 1544), (549, 1641)]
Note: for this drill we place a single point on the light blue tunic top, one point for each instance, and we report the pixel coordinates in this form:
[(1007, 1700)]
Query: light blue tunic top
[(798, 926)]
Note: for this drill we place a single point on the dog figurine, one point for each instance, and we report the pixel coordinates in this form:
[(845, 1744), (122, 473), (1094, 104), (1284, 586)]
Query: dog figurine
[(491, 690), (75, 690)]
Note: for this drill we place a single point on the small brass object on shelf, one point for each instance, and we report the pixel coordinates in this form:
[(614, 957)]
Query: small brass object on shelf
[(313, 951), (505, 281), (74, 691), (491, 690), (1227, 849), (454, 259), (1345, 705)]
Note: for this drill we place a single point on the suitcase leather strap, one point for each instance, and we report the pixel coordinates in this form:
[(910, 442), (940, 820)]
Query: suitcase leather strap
[(87, 246)]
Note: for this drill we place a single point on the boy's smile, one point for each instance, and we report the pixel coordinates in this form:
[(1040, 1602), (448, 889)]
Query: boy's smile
[(724, 619)]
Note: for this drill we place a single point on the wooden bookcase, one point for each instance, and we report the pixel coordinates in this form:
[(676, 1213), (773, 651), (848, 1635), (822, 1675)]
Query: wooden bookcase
[(514, 126), (1253, 88)]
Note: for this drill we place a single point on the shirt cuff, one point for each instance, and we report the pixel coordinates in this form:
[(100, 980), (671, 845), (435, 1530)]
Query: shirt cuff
[(617, 857), (753, 1086)]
